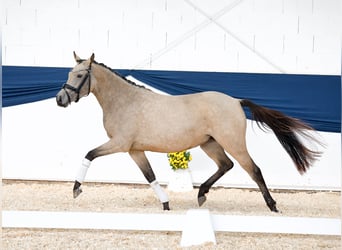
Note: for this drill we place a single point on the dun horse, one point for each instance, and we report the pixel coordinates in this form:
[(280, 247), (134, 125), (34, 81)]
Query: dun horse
[(135, 122)]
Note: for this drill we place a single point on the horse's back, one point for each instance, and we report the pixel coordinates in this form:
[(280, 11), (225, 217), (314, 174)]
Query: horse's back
[(218, 104)]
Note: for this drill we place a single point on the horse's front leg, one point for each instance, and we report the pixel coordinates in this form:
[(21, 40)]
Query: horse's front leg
[(105, 149), (140, 159)]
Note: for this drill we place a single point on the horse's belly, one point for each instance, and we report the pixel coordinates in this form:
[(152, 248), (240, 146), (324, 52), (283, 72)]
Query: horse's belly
[(165, 143)]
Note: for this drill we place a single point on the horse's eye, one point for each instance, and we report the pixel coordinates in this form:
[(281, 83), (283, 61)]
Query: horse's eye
[(79, 75)]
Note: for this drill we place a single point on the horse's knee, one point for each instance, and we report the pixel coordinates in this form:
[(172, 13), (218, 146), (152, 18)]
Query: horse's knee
[(91, 155), (140, 159), (149, 175)]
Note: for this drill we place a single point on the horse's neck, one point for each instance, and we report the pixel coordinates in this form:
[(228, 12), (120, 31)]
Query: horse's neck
[(111, 90)]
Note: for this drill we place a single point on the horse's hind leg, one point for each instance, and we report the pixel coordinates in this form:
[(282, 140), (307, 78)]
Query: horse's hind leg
[(140, 159), (215, 152), (254, 172)]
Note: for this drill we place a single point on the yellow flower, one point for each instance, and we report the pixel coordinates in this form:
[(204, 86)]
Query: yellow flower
[(179, 160)]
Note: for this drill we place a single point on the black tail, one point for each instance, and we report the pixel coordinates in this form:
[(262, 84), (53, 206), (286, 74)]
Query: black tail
[(285, 128)]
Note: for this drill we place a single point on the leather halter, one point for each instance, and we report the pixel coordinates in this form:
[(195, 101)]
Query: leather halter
[(77, 90)]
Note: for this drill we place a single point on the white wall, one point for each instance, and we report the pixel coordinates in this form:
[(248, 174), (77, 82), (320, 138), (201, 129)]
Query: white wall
[(292, 36), (42, 141)]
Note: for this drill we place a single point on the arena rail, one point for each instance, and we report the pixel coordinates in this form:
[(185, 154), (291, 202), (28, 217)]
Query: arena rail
[(169, 222)]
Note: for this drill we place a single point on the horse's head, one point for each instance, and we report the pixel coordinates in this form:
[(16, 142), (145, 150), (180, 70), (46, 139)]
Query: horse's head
[(78, 83)]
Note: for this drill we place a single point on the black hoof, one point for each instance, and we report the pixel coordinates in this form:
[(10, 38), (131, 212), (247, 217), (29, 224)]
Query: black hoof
[(272, 206), (201, 200), (166, 206), (77, 192), (77, 189), (274, 209)]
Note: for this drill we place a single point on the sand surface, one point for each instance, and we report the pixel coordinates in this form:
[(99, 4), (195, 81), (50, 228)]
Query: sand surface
[(99, 197)]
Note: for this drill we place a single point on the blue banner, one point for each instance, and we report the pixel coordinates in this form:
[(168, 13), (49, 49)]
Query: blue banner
[(316, 99)]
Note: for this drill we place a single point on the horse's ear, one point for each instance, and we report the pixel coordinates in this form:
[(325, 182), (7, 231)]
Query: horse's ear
[(77, 58), (91, 59)]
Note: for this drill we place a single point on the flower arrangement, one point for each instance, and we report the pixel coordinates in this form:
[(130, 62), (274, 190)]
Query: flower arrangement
[(179, 160)]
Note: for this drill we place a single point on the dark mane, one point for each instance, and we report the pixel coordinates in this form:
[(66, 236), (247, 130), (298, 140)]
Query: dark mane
[(122, 77)]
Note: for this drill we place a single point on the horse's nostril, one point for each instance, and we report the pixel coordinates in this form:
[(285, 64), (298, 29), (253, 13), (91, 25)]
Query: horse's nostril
[(59, 100)]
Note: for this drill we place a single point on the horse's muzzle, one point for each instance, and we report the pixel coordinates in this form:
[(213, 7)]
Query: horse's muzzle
[(62, 99)]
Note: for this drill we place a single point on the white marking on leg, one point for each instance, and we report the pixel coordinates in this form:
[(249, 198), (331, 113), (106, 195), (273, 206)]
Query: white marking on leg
[(159, 191), (82, 171)]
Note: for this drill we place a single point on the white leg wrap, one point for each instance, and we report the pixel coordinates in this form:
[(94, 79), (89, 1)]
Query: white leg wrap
[(82, 171), (159, 191)]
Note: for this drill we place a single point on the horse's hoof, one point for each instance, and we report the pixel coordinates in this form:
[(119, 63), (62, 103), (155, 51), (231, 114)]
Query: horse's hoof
[(166, 206), (274, 209), (201, 200), (77, 192), (77, 189)]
